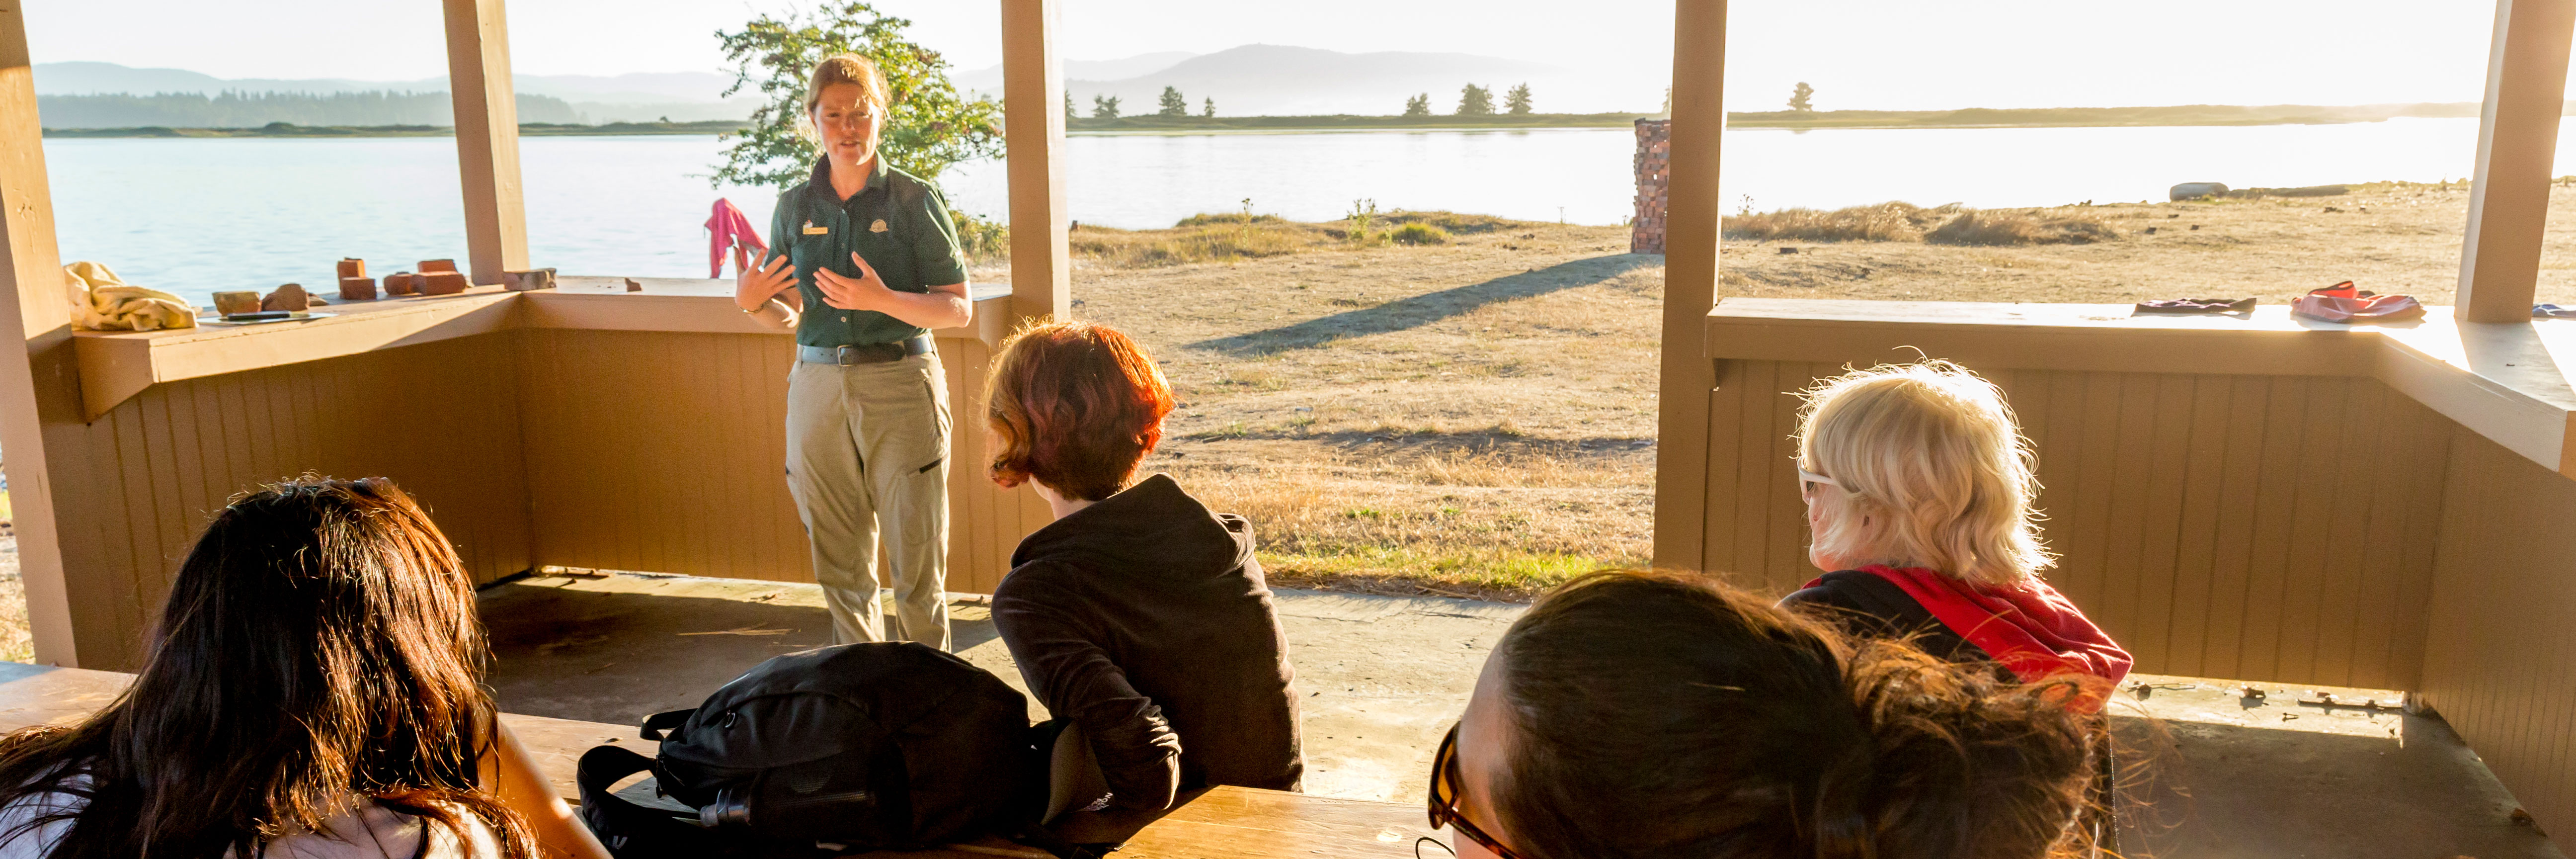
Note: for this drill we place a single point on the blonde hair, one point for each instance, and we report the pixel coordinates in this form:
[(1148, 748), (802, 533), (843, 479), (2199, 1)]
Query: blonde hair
[(1933, 469), (846, 69)]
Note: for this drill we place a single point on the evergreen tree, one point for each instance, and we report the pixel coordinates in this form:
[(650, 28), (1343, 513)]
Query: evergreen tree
[(1518, 100), (1475, 101), (1211, 109), (1068, 106), (1798, 98), (1419, 105), (1104, 107), (1173, 103)]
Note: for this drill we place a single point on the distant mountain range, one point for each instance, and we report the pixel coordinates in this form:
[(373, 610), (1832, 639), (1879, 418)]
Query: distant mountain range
[(1251, 80), (1279, 80)]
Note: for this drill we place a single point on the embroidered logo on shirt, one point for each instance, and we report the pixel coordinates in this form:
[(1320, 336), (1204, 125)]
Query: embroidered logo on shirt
[(812, 230), (877, 227)]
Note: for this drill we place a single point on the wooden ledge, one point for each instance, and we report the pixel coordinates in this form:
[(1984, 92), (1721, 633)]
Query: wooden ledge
[(115, 366), (2507, 382)]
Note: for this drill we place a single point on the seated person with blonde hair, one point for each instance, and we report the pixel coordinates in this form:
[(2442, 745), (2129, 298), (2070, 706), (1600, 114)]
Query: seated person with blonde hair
[(1139, 614), (1918, 487)]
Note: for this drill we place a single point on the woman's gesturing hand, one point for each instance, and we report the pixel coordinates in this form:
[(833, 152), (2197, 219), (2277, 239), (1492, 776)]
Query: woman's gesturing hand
[(753, 287), (865, 292)]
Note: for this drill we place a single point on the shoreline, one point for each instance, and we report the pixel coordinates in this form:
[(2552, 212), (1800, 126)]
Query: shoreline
[(2182, 116)]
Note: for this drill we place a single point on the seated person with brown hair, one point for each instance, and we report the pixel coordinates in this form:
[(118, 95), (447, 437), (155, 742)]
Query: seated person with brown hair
[(1635, 715), (1139, 615)]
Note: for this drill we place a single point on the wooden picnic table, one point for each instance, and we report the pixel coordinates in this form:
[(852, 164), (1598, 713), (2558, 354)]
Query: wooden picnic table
[(1230, 822)]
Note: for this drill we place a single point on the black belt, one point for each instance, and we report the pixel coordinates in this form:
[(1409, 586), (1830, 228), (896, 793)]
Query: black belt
[(870, 353)]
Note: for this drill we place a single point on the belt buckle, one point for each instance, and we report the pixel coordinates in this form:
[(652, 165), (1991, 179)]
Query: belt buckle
[(844, 356)]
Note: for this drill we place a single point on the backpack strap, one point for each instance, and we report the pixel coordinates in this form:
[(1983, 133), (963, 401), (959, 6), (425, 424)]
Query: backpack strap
[(633, 831), (656, 724)]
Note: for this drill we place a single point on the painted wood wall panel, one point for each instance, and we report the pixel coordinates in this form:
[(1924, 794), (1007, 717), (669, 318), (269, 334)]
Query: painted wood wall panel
[(2269, 528), (441, 419), (2500, 663), (665, 452)]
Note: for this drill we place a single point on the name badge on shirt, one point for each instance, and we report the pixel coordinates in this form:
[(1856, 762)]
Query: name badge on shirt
[(877, 227), (812, 230)]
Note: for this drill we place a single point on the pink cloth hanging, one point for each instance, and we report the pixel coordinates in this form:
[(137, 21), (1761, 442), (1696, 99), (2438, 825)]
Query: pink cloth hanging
[(725, 229)]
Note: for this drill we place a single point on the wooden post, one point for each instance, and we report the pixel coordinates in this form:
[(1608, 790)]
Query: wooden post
[(1033, 131), (1690, 283), (2517, 140), (39, 383), (487, 138)]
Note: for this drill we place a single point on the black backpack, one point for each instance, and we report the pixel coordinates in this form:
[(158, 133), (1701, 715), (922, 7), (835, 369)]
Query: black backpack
[(838, 749)]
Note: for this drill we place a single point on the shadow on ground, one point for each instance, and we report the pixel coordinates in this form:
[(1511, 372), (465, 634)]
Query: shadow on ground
[(2215, 774), (1420, 310)]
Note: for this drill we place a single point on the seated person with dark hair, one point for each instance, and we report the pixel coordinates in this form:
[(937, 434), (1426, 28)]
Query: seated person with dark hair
[(1635, 715), (1138, 614)]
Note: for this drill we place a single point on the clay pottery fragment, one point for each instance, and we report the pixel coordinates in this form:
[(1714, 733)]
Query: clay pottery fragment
[(402, 283), (524, 281), (352, 267), (229, 303), (289, 297), (357, 289), (437, 265), (442, 282)]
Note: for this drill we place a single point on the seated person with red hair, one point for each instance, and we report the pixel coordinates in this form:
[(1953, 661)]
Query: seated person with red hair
[(1138, 614)]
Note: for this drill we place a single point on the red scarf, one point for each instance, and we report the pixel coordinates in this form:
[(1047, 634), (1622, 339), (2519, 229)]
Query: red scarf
[(2031, 629), (727, 227)]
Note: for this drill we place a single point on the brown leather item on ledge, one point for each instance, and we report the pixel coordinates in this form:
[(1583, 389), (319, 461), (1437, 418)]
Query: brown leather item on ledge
[(357, 289), (429, 266), (441, 282), (402, 283), (352, 267), (2344, 302), (229, 303)]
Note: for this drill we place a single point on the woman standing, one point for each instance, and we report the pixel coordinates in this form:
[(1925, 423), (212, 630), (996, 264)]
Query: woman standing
[(864, 262)]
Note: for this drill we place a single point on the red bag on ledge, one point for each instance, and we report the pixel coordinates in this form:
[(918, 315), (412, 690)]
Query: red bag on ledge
[(2343, 302)]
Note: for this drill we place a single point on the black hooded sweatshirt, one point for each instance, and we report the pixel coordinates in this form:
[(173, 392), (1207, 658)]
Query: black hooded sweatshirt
[(1144, 619)]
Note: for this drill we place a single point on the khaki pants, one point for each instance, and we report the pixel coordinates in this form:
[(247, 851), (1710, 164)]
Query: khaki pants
[(867, 446)]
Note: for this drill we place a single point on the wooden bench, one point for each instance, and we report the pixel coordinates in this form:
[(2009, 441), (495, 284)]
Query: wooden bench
[(1225, 821)]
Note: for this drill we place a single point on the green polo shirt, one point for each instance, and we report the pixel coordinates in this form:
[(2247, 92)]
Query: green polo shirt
[(898, 223)]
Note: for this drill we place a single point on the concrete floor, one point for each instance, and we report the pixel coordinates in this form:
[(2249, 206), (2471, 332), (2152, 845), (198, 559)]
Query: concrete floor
[(2219, 774)]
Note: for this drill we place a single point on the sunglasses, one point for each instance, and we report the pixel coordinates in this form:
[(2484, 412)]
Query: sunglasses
[(1444, 798)]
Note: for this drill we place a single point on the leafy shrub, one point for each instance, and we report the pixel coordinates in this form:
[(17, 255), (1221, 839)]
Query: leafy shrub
[(1419, 234), (984, 240)]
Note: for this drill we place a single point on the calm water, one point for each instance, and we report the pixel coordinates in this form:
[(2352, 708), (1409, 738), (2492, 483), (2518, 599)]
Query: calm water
[(196, 216)]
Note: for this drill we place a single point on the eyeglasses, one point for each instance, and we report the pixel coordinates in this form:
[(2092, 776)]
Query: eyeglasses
[(1809, 480), (1444, 798)]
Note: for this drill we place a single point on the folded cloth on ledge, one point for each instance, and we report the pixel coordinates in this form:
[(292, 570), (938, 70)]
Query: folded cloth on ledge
[(2197, 305), (101, 301), (2343, 302), (725, 228), (2552, 311)]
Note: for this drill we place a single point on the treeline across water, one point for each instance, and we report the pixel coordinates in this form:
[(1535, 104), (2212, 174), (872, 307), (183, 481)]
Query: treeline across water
[(252, 110)]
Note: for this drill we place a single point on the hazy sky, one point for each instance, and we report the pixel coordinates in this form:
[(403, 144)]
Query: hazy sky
[(1895, 54)]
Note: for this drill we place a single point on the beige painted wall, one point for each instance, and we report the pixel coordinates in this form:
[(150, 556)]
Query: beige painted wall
[(664, 452), (139, 484), (2500, 662)]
